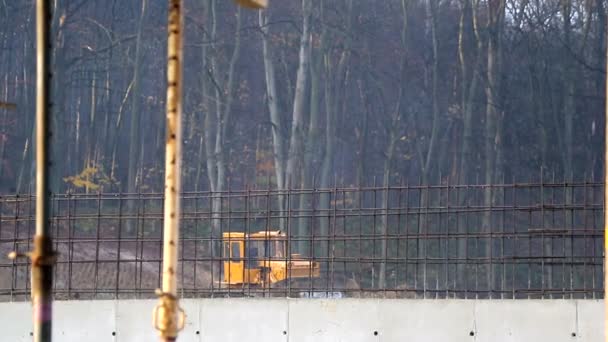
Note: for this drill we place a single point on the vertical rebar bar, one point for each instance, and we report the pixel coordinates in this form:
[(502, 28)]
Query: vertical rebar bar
[(118, 246), (606, 211), (168, 317), (502, 241), (543, 268), (97, 241), (287, 251), (447, 238), (140, 218), (70, 245)]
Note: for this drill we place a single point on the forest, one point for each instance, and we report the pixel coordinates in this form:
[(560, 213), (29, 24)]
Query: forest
[(310, 93)]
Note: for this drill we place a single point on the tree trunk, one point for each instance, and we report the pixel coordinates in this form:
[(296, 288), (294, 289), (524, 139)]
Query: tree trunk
[(469, 83), (495, 14), (569, 81), (133, 179), (386, 178), (311, 147), (430, 154), (296, 140), (278, 136), (58, 150), (218, 96)]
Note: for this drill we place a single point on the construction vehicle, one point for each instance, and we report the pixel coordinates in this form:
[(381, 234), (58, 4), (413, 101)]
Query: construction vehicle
[(261, 259)]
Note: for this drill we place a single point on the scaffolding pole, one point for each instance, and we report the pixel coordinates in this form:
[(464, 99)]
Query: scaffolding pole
[(168, 317), (43, 256)]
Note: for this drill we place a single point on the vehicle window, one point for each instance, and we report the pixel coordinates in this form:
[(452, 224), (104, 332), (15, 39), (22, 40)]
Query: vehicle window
[(251, 260), (226, 253), (236, 250), (280, 249)]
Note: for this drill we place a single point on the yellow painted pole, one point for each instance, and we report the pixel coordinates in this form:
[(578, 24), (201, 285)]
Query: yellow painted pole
[(168, 317)]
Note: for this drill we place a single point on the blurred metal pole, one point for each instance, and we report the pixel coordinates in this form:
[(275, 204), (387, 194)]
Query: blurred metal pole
[(43, 256), (168, 316)]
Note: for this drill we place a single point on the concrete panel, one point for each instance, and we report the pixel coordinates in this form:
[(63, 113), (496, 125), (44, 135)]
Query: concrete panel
[(525, 320), (231, 319), (426, 320), (380, 320), (303, 320), (334, 320), (16, 321), (134, 320), (192, 328), (75, 321), (590, 320)]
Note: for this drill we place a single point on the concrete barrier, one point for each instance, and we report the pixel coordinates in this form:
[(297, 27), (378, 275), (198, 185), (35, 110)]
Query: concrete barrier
[(303, 320)]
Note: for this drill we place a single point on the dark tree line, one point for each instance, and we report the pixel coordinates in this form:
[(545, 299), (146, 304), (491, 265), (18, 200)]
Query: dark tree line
[(312, 93)]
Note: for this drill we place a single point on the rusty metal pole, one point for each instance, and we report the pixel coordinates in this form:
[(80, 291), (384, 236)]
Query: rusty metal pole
[(43, 256), (168, 316)]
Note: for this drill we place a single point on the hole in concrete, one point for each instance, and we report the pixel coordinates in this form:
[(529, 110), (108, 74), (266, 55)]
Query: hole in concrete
[(375, 333), (31, 333), (284, 332), (198, 332), (573, 334), (472, 333), (113, 333)]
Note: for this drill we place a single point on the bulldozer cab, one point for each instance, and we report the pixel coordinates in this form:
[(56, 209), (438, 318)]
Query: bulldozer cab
[(247, 257), (265, 246)]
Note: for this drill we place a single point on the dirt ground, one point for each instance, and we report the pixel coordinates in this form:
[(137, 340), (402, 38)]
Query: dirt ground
[(135, 274)]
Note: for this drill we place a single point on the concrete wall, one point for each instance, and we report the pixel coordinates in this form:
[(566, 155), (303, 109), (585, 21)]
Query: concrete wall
[(322, 320)]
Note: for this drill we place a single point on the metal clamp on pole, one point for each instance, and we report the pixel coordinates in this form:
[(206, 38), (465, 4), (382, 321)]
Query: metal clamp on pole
[(42, 255), (43, 258), (168, 318)]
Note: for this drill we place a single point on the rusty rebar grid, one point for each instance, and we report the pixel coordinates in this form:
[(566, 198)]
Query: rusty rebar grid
[(548, 246)]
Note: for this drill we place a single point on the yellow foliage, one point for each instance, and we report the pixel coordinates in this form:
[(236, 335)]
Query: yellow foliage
[(91, 178)]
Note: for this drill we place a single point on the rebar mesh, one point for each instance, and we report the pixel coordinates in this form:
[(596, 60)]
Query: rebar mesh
[(413, 241)]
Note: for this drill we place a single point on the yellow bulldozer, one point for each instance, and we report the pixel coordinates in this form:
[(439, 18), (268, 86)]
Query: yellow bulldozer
[(261, 259)]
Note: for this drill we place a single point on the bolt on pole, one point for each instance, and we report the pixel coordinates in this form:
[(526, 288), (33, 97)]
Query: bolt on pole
[(43, 256), (168, 317)]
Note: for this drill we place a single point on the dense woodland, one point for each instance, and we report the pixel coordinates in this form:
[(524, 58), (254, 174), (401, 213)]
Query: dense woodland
[(311, 93)]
